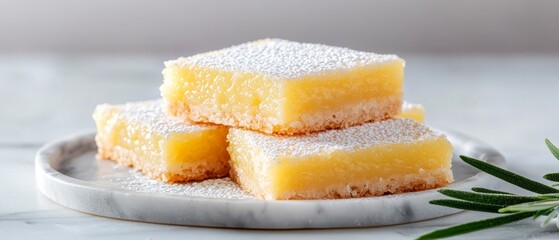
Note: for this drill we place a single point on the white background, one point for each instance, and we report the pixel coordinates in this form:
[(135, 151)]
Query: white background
[(488, 69), (184, 27)]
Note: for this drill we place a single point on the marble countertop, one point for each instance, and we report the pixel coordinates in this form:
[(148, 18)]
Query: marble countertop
[(510, 102)]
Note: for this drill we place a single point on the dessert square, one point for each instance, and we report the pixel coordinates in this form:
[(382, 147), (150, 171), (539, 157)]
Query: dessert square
[(284, 87), (140, 135), (372, 159), (412, 111)]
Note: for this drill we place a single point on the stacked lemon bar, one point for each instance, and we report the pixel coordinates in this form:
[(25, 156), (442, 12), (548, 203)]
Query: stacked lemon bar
[(141, 135), (285, 120)]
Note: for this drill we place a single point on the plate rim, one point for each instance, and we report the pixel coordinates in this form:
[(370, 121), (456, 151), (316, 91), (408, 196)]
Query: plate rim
[(46, 173)]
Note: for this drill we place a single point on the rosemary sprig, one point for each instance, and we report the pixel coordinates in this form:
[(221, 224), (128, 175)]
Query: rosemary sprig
[(551, 216), (552, 177), (472, 206), (475, 226), (488, 198), (541, 213), (531, 206), (514, 207), (510, 177), (554, 149), (485, 190)]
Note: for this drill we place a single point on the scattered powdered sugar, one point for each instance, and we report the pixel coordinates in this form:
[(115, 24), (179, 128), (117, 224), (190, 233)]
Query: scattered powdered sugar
[(222, 188), (352, 138), (284, 59), (152, 114)]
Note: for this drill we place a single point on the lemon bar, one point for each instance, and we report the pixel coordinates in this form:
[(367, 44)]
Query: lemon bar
[(285, 87), (165, 148), (412, 111), (393, 156)]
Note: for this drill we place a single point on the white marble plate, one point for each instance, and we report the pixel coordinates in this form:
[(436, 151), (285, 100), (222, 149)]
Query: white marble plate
[(68, 173)]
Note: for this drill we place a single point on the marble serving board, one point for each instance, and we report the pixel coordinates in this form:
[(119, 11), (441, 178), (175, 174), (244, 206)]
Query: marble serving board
[(68, 173)]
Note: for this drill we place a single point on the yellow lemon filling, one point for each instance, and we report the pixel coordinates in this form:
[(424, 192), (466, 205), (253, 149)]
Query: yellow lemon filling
[(141, 135), (372, 159), (412, 111), (278, 86)]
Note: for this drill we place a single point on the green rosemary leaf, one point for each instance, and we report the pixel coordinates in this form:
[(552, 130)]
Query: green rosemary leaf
[(549, 196), (472, 206), (485, 190), (510, 177), (531, 206), (488, 198), (550, 216), (475, 226), (541, 213), (552, 177), (554, 149)]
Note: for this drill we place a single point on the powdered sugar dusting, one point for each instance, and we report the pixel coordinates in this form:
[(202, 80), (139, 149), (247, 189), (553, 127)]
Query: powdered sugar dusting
[(353, 138), (107, 173), (152, 114), (283, 59), (222, 188), (212, 188)]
